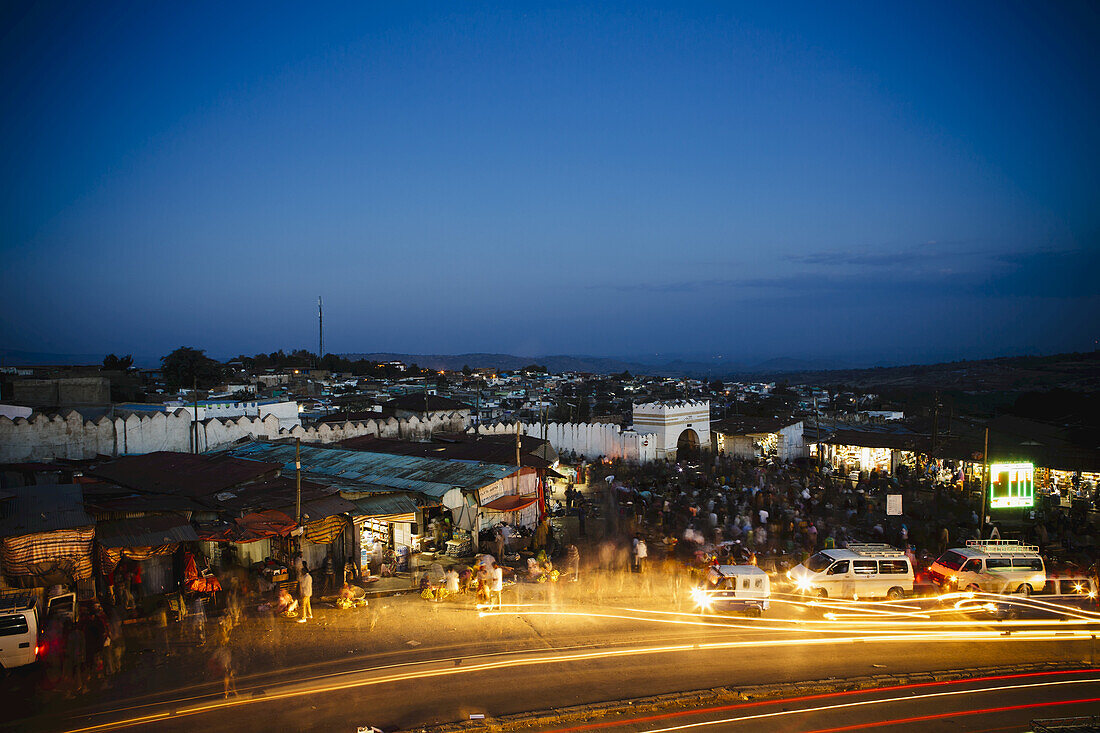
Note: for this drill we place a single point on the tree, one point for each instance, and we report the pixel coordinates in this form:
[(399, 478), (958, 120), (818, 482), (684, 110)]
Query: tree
[(185, 367), (716, 385), (466, 370), (112, 363)]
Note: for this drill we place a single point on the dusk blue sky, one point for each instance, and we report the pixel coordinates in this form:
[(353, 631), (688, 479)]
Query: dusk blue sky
[(874, 182)]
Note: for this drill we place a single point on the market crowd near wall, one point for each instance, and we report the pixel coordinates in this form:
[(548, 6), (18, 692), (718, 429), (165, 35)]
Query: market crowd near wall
[(43, 437)]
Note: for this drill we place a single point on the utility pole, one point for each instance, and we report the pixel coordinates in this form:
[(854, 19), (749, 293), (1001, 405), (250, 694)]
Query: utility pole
[(195, 422), (519, 464), (985, 482), (320, 332), (298, 479)]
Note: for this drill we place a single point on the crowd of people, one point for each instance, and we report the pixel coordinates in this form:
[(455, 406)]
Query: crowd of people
[(773, 512)]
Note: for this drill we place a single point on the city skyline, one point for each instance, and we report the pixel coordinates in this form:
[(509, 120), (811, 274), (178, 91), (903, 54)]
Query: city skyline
[(885, 185)]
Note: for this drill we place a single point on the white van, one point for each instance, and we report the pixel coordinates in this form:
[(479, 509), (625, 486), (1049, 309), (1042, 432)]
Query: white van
[(862, 570), (739, 588), (18, 628), (991, 566)]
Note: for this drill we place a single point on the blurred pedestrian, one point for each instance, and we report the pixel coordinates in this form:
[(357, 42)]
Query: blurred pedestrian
[(305, 588), (222, 661), (328, 566), (573, 562), (496, 585), (76, 647)]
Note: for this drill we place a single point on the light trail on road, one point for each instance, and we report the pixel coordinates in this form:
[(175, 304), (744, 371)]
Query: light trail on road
[(823, 696), (884, 701), (299, 690)]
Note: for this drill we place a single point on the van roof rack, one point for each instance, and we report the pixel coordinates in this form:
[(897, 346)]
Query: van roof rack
[(876, 549), (1001, 547), (19, 599)]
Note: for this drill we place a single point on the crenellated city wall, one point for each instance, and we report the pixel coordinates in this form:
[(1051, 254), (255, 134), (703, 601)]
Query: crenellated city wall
[(42, 436)]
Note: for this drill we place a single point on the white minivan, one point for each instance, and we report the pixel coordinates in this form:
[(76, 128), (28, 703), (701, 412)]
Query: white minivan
[(861, 570), (991, 566), (18, 628)]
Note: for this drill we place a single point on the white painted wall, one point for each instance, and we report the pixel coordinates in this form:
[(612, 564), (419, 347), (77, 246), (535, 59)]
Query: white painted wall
[(591, 440), (43, 437)]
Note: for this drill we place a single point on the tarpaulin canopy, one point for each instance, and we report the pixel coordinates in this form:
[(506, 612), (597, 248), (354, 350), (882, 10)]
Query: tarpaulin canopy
[(110, 557), (325, 530), (64, 553), (249, 528), (511, 503), (270, 523)]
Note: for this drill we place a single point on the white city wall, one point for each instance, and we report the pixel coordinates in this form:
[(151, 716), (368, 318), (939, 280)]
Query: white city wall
[(591, 440), (43, 437)]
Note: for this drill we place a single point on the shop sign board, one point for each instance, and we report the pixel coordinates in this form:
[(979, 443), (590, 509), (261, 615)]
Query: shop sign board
[(1011, 485), (893, 505)]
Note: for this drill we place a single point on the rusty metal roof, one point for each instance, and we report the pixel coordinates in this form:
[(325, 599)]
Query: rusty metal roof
[(42, 508), (149, 531), (432, 477), (184, 474), (500, 450)]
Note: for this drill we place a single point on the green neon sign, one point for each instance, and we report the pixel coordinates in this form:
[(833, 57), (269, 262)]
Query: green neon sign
[(1011, 485)]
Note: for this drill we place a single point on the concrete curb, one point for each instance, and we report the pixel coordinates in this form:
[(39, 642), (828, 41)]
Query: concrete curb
[(719, 696)]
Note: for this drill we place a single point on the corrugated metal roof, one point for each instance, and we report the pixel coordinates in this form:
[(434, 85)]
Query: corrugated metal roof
[(384, 504), (184, 474), (327, 506), (429, 476), (42, 508), (149, 531)]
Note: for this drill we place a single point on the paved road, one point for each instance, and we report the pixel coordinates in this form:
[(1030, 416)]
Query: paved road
[(409, 696), (536, 657), (1004, 703)]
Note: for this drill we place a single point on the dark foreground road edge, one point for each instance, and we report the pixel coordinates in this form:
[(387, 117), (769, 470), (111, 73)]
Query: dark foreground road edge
[(726, 695)]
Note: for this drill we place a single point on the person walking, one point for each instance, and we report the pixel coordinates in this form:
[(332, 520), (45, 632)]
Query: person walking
[(641, 553), (496, 585), (305, 587), (573, 562), (329, 568)]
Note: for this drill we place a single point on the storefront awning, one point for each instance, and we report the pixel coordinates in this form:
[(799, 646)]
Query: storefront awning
[(511, 503)]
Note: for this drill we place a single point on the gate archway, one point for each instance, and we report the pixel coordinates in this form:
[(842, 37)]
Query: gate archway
[(687, 445)]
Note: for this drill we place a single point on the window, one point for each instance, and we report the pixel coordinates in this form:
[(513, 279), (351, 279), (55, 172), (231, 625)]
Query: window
[(893, 567), (744, 583), (839, 568), (13, 625), (759, 584), (951, 560), (994, 564), (818, 562), (1028, 563), (865, 567), (972, 566)]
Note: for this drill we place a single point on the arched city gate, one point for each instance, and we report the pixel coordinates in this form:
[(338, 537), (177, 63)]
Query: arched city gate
[(687, 444)]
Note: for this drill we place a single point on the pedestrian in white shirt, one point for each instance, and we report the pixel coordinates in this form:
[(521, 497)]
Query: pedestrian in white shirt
[(496, 586)]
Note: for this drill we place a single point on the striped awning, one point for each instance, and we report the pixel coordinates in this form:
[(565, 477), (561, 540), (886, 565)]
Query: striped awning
[(64, 552), (324, 531)]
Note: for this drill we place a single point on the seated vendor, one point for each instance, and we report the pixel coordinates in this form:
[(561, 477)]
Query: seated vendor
[(286, 605)]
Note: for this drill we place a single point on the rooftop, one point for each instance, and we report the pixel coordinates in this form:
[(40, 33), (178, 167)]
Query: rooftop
[(375, 472)]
